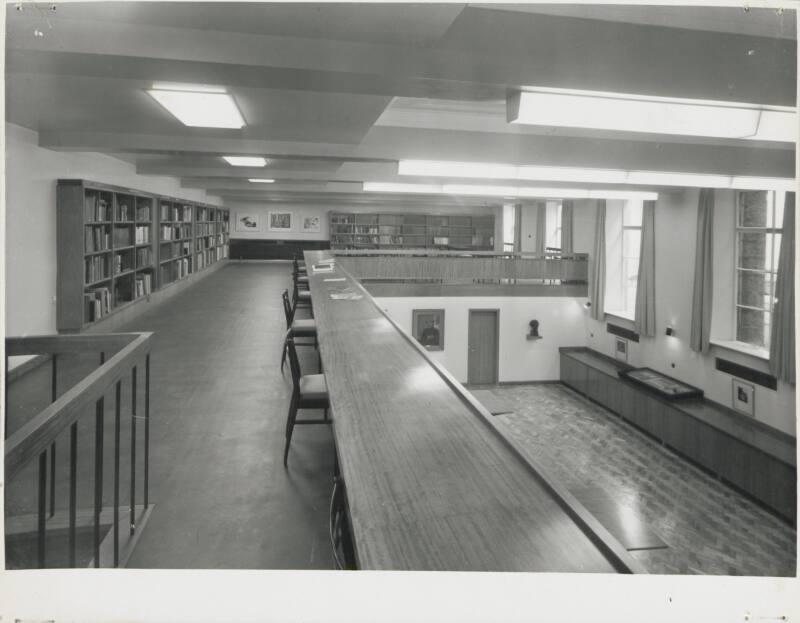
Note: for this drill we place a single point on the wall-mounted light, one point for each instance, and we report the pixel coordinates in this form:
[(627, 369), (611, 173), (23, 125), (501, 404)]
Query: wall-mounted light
[(587, 304), (670, 331)]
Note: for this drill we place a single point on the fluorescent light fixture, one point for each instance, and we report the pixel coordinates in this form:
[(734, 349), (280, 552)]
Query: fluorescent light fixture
[(488, 170), (192, 88), (246, 161), (200, 109), (260, 180), (764, 183), (385, 187), (624, 112), (506, 191), (689, 180)]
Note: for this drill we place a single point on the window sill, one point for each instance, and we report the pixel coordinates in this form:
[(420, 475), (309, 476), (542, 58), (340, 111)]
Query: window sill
[(621, 316), (742, 347)]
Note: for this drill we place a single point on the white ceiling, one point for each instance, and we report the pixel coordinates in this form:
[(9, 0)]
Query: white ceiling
[(335, 94)]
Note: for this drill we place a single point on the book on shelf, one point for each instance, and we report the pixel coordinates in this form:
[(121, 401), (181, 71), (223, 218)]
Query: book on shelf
[(142, 234), (165, 211), (122, 237), (144, 257), (143, 212), (97, 303), (95, 268), (96, 238), (124, 212), (143, 284), (183, 267), (186, 214), (96, 208), (166, 232)]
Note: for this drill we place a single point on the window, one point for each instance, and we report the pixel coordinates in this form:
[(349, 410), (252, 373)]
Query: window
[(623, 239), (509, 227), (759, 217), (631, 244), (553, 219)]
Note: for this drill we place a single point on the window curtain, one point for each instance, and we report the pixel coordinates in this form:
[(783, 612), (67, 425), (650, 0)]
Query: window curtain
[(566, 227), (645, 318), (541, 227), (781, 343), (703, 270), (597, 284)]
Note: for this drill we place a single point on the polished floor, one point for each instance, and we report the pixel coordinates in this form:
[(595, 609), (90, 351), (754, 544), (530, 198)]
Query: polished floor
[(708, 527), (224, 500)]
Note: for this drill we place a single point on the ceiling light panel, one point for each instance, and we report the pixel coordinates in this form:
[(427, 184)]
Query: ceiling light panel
[(245, 161), (260, 180), (656, 115), (200, 109)]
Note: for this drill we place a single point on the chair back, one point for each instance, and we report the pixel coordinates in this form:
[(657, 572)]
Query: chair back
[(294, 363), (287, 309)]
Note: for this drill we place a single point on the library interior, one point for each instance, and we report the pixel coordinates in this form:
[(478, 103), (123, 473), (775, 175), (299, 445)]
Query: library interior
[(386, 287)]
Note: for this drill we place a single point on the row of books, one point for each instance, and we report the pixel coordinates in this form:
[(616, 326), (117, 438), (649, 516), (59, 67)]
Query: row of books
[(170, 232), (96, 303), (124, 212), (144, 257), (96, 207), (170, 212), (143, 212), (205, 229), (176, 249), (142, 234), (204, 214), (123, 262), (96, 268), (143, 284), (96, 238)]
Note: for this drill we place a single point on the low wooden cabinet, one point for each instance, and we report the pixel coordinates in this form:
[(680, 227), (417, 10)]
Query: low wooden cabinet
[(717, 439)]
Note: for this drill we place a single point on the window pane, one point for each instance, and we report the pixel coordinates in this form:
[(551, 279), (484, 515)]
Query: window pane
[(752, 326), (754, 289), (631, 242), (632, 214), (753, 251), (779, 205), (754, 209)]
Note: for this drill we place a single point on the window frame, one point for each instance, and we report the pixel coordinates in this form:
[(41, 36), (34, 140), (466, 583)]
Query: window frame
[(772, 206), (629, 312)]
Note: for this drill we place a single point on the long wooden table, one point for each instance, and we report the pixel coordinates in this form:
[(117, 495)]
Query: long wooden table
[(430, 482)]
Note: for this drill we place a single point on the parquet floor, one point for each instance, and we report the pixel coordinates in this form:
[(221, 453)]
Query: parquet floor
[(708, 527)]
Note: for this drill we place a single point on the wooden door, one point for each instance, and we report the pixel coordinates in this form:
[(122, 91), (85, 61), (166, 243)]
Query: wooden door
[(483, 347)]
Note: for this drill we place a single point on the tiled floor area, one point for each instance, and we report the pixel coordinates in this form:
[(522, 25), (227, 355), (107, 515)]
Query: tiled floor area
[(708, 527)]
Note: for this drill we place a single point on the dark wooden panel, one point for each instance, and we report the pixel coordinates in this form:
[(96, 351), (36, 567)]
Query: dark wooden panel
[(241, 249)]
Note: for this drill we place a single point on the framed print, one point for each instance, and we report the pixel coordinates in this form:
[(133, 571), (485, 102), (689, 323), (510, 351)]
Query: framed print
[(427, 327), (248, 221), (621, 349), (744, 397), (311, 225), (280, 221)]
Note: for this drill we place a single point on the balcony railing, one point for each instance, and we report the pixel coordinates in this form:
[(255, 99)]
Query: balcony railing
[(31, 460), (565, 275)]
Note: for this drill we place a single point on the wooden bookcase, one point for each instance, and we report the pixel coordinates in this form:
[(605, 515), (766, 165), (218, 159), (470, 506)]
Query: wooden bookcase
[(411, 231), (117, 245)]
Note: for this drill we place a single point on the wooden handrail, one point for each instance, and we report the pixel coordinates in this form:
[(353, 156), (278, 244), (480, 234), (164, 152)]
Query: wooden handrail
[(35, 436), (555, 255), (78, 343)]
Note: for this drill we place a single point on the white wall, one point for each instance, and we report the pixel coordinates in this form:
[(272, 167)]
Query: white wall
[(676, 223), (30, 251), (562, 322)]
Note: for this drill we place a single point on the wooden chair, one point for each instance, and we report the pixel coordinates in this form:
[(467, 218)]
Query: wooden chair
[(301, 298), (309, 391), (302, 328)]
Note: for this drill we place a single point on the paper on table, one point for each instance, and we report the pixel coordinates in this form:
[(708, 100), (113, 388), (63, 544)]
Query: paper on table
[(334, 279), (322, 268)]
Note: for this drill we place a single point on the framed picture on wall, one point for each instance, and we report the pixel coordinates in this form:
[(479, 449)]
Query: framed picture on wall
[(247, 222), (280, 221), (621, 349), (744, 397), (427, 326), (311, 225)]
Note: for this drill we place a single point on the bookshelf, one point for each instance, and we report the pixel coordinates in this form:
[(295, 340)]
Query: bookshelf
[(411, 231), (117, 245)]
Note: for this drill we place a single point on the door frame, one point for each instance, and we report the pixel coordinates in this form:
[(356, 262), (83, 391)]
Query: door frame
[(496, 311)]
